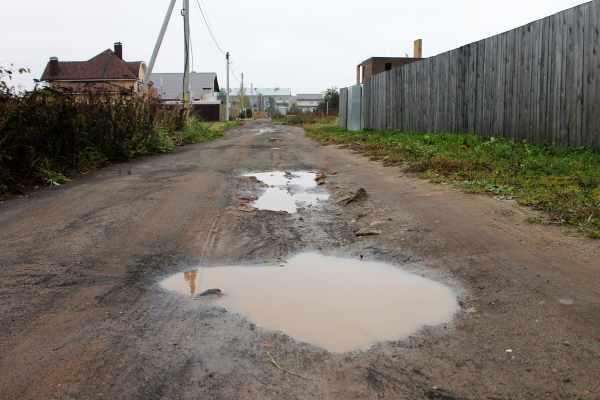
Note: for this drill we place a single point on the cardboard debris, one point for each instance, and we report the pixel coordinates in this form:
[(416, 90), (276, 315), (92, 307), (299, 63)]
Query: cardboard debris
[(368, 231), (360, 193), (320, 178)]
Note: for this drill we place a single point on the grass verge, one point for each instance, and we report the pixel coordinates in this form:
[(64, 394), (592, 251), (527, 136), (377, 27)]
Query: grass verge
[(562, 181), (195, 131), (316, 117)]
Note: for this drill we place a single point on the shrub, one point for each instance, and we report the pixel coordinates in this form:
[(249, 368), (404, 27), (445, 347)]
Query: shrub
[(249, 113), (46, 135)]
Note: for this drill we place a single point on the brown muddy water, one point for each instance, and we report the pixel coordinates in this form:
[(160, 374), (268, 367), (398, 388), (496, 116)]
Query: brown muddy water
[(335, 303), (289, 191)]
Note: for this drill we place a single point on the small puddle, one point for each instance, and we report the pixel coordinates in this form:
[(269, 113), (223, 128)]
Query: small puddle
[(288, 191), (335, 303)]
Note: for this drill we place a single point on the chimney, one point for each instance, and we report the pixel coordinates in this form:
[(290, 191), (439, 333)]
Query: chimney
[(119, 50), (418, 48), (53, 66)]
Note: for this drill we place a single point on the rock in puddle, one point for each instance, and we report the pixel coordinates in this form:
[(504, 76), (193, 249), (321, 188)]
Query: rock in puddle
[(210, 291)]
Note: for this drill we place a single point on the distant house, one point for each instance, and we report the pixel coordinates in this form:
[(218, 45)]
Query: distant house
[(377, 65), (107, 71), (308, 102), (204, 86), (262, 98)]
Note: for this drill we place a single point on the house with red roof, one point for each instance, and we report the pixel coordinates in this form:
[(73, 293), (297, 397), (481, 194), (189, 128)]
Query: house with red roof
[(106, 71)]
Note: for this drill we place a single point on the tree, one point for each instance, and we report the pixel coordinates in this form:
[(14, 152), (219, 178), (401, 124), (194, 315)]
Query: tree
[(241, 94), (271, 106), (8, 72), (222, 95), (332, 96)]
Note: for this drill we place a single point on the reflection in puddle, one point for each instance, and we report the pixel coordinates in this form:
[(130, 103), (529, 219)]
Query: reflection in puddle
[(335, 303), (292, 190)]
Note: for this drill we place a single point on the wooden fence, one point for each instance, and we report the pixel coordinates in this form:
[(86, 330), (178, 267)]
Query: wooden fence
[(343, 110), (538, 82)]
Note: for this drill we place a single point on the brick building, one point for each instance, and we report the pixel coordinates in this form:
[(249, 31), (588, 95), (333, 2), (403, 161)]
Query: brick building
[(377, 65)]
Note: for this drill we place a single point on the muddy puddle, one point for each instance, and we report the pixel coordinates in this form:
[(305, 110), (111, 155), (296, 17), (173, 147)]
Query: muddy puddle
[(263, 131), (289, 191), (335, 303)]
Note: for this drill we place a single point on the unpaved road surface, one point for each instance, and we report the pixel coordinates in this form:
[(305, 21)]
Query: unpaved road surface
[(83, 315)]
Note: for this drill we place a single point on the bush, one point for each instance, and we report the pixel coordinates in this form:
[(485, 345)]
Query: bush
[(47, 136), (242, 115), (315, 117), (249, 113)]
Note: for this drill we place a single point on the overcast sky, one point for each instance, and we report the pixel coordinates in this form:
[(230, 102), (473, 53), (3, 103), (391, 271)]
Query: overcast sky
[(307, 45)]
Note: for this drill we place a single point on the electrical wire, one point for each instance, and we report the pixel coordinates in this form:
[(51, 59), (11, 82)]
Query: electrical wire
[(208, 26), (233, 72), (210, 43)]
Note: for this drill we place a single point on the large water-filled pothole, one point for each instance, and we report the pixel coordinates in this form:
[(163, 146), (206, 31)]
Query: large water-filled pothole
[(335, 303), (288, 191)]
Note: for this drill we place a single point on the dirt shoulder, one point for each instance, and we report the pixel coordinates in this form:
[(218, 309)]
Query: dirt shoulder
[(83, 315)]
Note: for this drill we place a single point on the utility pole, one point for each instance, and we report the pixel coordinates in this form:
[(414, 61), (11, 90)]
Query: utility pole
[(161, 35), (242, 90), (227, 94), (251, 94), (186, 73)]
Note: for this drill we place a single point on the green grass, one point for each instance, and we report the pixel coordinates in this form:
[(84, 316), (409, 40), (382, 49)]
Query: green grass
[(225, 124), (310, 118), (195, 131), (562, 181)]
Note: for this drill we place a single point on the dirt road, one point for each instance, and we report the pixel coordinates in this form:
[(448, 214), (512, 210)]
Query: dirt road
[(83, 314)]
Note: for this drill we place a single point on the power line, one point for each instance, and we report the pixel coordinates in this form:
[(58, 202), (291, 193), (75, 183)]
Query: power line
[(210, 43), (233, 72), (208, 26)]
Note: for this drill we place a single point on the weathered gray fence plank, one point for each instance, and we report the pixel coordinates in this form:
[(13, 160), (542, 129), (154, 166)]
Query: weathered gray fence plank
[(343, 108), (591, 71)]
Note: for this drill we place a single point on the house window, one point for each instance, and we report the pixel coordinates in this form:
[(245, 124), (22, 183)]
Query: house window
[(388, 66)]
